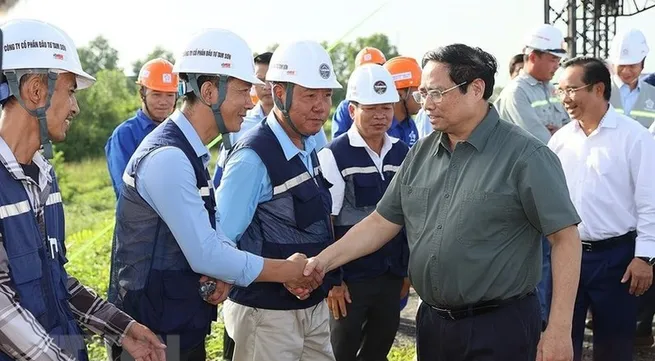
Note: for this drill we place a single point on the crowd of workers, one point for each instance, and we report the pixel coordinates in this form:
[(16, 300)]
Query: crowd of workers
[(518, 222)]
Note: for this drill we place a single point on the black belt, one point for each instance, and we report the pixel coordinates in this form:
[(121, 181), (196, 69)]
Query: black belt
[(459, 313), (605, 244)]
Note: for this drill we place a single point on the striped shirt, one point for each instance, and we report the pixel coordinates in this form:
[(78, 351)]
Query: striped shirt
[(21, 335)]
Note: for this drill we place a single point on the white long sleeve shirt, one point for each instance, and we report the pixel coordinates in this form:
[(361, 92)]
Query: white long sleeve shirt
[(611, 178)]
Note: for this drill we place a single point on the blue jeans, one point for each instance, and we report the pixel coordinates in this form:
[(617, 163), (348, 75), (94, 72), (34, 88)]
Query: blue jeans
[(545, 286)]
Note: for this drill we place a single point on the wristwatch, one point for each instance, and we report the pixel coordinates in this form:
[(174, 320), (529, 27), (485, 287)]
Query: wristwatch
[(649, 260)]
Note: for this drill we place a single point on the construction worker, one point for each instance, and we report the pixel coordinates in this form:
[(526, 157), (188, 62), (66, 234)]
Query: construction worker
[(263, 107), (407, 76), (43, 307), (341, 120), (158, 92), (360, 165), (529, 100), (274, 201), (630, 95), (167, 247)]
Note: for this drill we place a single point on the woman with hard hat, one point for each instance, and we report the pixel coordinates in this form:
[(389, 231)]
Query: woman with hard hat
[(630, 94), (44, 308), (341, 120), (360, 164), (158, 92)]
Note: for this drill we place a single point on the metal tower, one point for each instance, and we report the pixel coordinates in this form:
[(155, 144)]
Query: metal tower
[(591, 24)]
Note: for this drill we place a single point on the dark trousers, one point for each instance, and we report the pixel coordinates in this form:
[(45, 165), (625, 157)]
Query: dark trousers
[(508, 333), (372, 320), (228, 346), (646, 312), (173, 353), (613, 308)]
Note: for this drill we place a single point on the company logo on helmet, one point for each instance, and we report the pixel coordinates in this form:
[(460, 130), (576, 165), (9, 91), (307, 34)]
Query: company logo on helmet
[(324, 70), (167, 78), (58, 56), (380, 87)]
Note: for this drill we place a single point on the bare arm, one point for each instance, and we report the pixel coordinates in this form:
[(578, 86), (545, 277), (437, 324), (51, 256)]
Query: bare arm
[(364, 238), (566, 256)]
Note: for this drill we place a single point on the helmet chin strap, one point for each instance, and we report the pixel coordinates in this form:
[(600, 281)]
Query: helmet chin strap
[(216, 108), (13, 80), (284, 108)]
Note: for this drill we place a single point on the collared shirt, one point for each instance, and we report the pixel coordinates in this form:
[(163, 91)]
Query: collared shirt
[(21, 335), (532, 105), (331, 170), (475, 214), (610, 177), (123, 142), (628, 96), (246, 182), (252, 118), (167, 182)]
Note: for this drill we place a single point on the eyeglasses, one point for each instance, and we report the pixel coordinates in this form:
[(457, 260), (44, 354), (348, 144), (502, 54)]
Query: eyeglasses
[(568, 92), (435, 95)]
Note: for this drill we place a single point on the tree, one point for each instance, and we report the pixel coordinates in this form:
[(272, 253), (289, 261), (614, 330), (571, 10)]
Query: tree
[(102, 107), (98, 55), (157, 52)]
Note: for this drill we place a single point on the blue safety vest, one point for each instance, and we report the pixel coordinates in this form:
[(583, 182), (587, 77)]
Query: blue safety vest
[(296, 219), (151, 279), (364, 187), (36, 262)]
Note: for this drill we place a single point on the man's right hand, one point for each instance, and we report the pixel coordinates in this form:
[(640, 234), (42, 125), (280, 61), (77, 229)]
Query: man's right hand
[(300, 285), (337, 298)]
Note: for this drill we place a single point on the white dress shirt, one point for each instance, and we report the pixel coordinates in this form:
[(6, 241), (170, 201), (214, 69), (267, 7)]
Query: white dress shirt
[(331, 170), (611, 178)]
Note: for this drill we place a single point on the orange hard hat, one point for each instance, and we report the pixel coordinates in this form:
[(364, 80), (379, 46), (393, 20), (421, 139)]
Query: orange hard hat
[(157, 74), (369, 55), (253, 95), (405, 71)]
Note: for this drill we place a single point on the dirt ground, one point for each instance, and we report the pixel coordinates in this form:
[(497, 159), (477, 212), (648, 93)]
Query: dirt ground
[(407, 332)]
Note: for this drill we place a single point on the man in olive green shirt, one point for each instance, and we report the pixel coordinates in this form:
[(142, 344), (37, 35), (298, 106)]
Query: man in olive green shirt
[(474, 199)]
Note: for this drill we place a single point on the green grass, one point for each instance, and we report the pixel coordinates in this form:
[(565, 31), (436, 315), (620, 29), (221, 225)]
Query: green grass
[(89, 205)]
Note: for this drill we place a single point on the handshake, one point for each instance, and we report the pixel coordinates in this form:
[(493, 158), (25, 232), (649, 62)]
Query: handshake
[(304, 275), (299, 275)]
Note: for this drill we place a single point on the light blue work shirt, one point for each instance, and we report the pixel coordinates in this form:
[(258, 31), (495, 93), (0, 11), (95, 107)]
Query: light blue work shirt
[(246, 183), (423, 124), (252, 118), (628, 96), (166, 180)]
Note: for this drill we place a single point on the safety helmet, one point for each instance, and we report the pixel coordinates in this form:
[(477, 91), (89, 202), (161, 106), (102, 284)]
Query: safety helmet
[(371, 84), (157, 74), (369, 55), (215, 52), (546, 38), (253, 95), (33, 46), (628, 48), (304, 63), (405, 71)]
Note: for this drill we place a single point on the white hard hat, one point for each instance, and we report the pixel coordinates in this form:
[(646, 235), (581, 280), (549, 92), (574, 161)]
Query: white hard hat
[(33, 44), (371, 84), (304, 63), (217, 52), (628, 48), (546, 38)]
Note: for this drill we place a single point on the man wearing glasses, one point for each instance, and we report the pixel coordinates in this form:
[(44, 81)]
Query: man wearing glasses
[(474, 199), (609, 163)]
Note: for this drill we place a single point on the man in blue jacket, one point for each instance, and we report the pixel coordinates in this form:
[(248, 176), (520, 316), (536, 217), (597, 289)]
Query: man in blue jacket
[(158, 91)]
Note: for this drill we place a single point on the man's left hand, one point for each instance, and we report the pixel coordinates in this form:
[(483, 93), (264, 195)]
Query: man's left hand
[(221, 292), (143, 345), (641, 276), (555, 345)]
